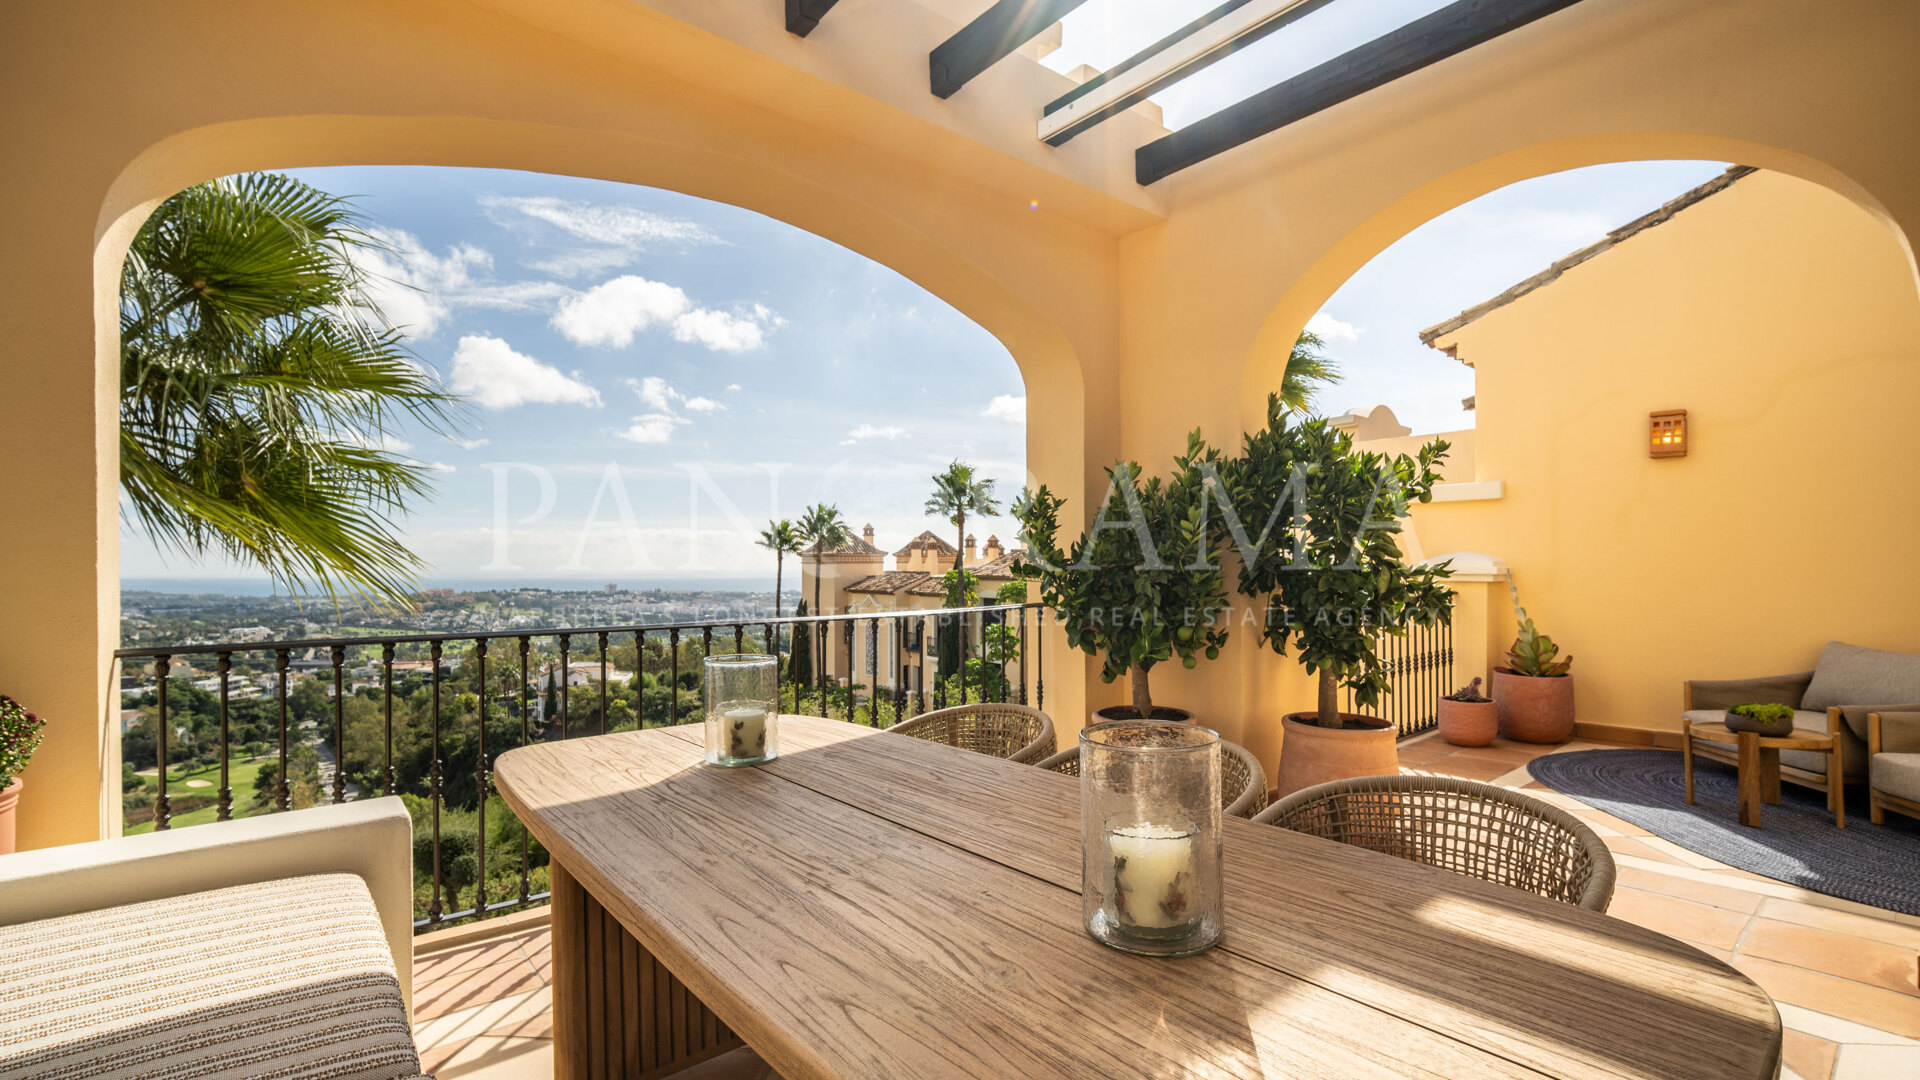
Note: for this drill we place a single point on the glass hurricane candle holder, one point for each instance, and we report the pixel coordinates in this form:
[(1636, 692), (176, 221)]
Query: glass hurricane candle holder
[(741, 696), (1150, 836)]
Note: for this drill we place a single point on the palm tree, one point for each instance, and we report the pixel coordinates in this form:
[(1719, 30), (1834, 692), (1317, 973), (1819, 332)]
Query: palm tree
[(782, 539), (955, 492), (820, 528), (1307, 366), (259, 385)]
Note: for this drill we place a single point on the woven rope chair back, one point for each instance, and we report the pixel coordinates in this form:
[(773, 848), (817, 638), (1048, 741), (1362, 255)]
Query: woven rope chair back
[(1243, 783), (1014, 732), (1478, 830)]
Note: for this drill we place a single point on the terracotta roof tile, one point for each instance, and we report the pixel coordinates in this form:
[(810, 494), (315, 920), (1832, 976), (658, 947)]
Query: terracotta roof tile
[(939, 545), (888, 583)]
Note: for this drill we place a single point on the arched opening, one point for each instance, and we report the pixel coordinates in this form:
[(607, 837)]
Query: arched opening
[(1778, 310)]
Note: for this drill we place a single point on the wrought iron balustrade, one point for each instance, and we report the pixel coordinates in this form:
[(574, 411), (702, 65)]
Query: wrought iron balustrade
[(873, 668), (1419, 667)]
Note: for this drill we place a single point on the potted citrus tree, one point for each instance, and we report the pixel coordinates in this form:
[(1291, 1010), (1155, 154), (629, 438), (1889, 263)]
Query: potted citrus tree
[(1126, 590), (19, 738), (1334, 581), (1534, 691)]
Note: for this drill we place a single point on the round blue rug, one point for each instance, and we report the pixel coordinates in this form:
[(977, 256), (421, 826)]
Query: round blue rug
[(1795, 843)]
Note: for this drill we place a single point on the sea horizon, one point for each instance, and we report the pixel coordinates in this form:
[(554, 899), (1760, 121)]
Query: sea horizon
[(254, 586)]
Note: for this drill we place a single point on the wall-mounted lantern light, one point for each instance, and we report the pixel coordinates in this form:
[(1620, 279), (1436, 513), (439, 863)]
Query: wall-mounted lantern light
[(1667, 434)]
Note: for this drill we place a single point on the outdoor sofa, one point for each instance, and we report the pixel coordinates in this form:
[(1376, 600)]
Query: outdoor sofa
[(1893, 755), (1836, 698), (276, 945)]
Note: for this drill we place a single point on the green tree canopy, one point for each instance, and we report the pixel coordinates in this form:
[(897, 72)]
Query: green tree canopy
[(958, 492)]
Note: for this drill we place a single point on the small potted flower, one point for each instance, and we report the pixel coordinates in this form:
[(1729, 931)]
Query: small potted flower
[(1468, 717), (19, 738)]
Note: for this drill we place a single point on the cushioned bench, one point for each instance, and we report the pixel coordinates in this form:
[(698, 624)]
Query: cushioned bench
[(278, 946)]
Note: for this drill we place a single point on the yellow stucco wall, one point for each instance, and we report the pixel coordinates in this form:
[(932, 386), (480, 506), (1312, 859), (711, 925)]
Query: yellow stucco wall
[(1134, 313), (1784, 319)]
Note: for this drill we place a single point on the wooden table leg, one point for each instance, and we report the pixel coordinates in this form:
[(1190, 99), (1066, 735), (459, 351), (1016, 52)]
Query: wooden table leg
[(1686, 755), (617, 1011), (571, 1032), (1770, 776), (1749, 779)]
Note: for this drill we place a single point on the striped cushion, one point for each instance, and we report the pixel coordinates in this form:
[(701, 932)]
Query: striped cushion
[(290, 978)]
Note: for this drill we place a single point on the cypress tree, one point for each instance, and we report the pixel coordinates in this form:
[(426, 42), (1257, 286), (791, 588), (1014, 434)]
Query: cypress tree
[(800, 658)]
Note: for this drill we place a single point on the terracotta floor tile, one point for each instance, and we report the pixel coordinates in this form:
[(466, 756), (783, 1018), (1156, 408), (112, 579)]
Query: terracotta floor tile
[(1701, 924), (439, 964), (1812, 1058), (1698, 891), (1875, 963), (1418, 753), (1870, 1005), (489, 1057), (1629, 845), (1624, 828), (1842, 922), (1512, 756), (538, 1025), (482, 1018), (1468, 770), (465, 989)]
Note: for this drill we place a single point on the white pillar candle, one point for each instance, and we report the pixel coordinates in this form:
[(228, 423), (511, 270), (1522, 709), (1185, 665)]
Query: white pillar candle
[(1152, 876), (746, 730)]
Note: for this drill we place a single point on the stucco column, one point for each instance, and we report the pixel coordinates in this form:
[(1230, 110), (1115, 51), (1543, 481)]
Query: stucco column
[(59, 544), (1479, 584)]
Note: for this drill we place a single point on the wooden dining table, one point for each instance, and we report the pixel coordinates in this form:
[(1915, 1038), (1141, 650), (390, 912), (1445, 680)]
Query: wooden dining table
[(875, 906)]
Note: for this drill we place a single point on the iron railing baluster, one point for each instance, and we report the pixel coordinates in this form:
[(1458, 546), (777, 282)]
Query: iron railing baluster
[(162, 805), (526, 706), (434, 908), (388, 777), (673, 688), (602, 635), (284, 792), (566, 676), (223, 663), (482, 778), (338, 654)]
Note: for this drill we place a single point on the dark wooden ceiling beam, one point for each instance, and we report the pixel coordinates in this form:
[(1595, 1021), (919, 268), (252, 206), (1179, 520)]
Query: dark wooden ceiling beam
[(988, 39), (1163, 72), (1452, 29), (804, 15)]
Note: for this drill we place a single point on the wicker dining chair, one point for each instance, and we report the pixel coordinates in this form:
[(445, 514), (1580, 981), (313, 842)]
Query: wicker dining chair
[(1243, 783), (1014, 732), (1478, 830)]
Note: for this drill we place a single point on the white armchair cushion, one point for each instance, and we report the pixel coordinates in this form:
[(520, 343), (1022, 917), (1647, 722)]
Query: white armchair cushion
[(291, 978)]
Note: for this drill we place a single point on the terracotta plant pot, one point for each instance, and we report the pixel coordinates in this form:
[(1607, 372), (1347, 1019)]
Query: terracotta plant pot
[(1469, 723), (9, 802), (1535, 710), (1126, 712), (1311, 754)]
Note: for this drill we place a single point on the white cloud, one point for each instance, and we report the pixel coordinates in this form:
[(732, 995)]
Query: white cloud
[(652, 428), (623, 225), (611, 313), (868, 431), (719, 331), (584, 262), (1333, 329), (440, 466), (705, 405), (417, 290), (733, 388), (468, 444), (489, 372), (1007, 407)]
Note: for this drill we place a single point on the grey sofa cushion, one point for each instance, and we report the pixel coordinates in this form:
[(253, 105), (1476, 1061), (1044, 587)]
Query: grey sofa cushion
[(1851, 675), (1897, 774)]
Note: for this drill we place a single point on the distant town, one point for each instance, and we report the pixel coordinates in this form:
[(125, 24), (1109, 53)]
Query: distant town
[(153, 619)]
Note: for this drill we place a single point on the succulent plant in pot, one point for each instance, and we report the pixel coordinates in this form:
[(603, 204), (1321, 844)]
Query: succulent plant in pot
[(1140, 586), (1534, 691), (1467, 717), (19, 738), (1335, 580)]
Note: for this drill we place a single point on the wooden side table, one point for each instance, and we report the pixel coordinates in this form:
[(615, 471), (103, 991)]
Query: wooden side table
[(1759, 764)]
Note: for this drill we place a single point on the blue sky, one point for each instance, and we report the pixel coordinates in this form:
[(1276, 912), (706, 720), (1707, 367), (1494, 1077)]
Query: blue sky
[(651, 376)]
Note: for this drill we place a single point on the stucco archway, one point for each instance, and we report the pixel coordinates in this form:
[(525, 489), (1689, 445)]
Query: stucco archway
[(1266, 360)]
